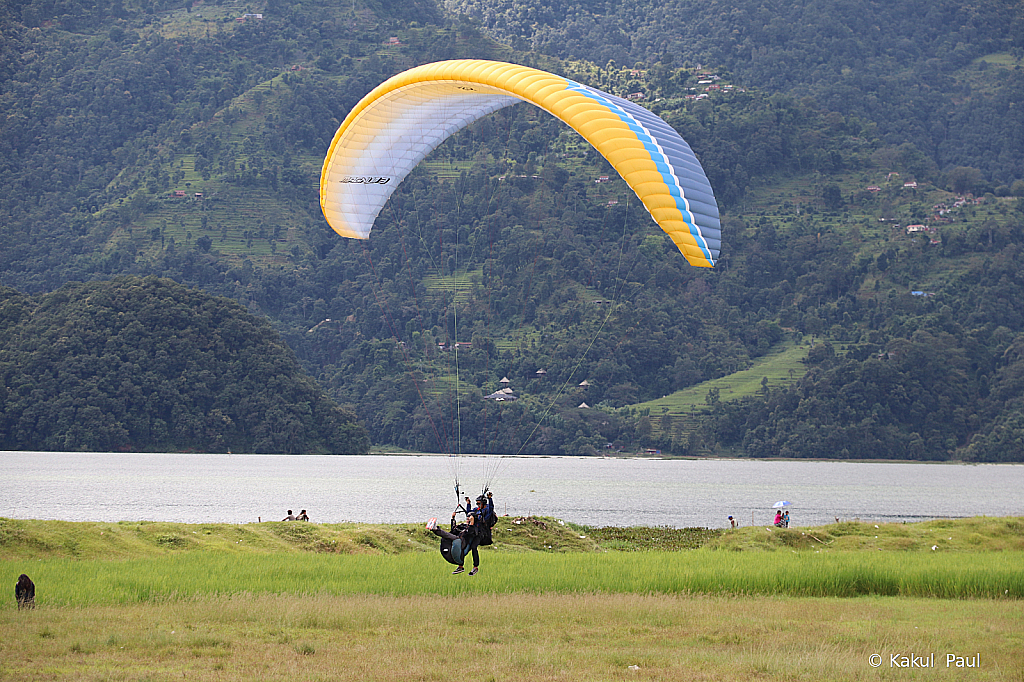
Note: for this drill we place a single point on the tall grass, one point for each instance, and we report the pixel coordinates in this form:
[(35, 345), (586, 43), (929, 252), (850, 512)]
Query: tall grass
[(837, 574)]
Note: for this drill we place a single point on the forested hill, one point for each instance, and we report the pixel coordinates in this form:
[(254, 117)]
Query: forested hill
[(867, 159), (890, 65), (147, 364)]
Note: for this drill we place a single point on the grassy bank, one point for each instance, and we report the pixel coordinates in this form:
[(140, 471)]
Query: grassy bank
[(34, 539)]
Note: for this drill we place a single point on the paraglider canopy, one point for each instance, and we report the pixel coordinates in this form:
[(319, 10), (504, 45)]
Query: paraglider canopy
[(402, 120)]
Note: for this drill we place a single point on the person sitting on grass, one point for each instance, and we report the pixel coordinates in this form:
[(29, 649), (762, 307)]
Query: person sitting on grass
[(25, 592), (459, 543)]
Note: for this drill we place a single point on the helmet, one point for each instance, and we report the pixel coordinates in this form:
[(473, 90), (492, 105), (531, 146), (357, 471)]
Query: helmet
[(481, 499)]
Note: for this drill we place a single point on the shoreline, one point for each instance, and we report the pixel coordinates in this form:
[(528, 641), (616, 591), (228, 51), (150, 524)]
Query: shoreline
[(684, 458), (620, 456)]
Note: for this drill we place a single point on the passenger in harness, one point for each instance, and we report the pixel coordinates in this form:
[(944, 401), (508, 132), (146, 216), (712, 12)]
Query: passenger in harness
[(460, 542)]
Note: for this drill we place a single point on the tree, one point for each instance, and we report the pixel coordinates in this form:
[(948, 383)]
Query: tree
[(832, 197), (963, 179)]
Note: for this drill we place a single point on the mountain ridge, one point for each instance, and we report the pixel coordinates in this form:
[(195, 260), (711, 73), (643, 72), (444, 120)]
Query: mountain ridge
[(566, 274)]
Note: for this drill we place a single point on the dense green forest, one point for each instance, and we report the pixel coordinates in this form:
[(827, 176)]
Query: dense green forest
[(890, 68), (149, 138), (147, 364)]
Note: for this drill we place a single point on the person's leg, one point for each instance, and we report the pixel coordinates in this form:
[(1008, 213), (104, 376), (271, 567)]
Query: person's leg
[(442, 533)]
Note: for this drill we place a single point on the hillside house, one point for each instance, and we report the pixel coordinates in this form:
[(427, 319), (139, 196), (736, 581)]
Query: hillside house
[(502, 395)]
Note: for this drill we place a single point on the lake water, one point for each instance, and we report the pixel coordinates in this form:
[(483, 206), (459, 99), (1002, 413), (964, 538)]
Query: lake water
[(400, 488)]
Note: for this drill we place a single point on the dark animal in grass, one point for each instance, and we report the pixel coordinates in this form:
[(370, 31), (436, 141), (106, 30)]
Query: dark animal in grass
[(25, 592)]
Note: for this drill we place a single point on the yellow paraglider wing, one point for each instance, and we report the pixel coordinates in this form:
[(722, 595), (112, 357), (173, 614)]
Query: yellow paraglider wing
[(405, 118)]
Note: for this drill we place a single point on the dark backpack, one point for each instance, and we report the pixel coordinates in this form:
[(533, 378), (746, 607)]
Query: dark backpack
[(485, 534)]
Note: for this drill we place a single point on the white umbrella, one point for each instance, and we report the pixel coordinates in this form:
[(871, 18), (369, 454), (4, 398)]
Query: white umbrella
[(781, 504)]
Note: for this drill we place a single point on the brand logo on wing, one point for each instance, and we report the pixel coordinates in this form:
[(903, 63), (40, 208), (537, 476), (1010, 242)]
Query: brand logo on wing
[(364, 180)]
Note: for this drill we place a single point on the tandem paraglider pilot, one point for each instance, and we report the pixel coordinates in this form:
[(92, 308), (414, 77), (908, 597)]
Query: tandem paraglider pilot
[(465, 538), (457, 544)]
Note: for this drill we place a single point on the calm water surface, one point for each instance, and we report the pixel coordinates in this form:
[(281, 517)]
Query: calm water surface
[(592, 491)]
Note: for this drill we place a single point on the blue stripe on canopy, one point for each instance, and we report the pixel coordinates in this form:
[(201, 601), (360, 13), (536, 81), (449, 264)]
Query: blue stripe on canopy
[(669, 166)]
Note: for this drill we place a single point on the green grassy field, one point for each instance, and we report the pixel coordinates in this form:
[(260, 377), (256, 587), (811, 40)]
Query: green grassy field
[(461, 285), (553, 601), (102, 564), (193, 575), (782, 366)]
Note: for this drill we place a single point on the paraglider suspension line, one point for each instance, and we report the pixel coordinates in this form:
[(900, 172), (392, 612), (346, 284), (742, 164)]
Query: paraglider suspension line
[(593, 340)]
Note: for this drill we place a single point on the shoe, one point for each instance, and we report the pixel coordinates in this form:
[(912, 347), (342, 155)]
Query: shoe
[(431, 524), (475, 569), (458, 570)]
